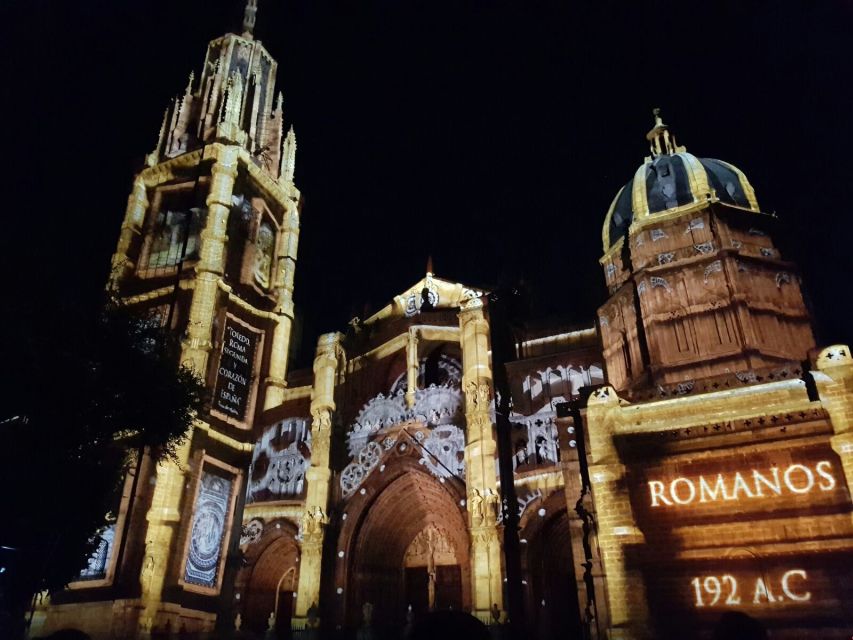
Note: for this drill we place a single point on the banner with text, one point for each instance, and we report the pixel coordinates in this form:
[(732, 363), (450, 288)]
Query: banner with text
[(234, 389)]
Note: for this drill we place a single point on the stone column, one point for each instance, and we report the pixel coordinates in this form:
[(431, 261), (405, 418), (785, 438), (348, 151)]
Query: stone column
[(285, 270), (164, 524), (211, 264), (480, 463), (834, 380), (626, 597), (134, 218), (318, 476), (412, 368)]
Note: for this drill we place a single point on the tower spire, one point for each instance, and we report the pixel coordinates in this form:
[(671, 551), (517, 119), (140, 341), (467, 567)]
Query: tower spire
[(249, 16)]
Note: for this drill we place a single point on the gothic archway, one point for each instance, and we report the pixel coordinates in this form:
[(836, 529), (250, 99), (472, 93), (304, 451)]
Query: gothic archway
[(553, 610), (269, 582), (402, 506)]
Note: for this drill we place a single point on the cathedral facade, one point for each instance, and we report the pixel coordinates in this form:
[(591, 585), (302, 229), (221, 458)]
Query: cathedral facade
[(687, 454)]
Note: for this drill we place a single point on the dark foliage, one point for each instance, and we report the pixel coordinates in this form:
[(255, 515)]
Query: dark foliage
[(80, 401)]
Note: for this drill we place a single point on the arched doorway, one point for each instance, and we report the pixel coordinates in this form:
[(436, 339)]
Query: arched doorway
[(269, 583), (552, 593), (408, 526), (553, 610)]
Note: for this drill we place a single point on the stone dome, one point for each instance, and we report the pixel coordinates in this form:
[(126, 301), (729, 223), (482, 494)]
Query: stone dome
[(671, 180)]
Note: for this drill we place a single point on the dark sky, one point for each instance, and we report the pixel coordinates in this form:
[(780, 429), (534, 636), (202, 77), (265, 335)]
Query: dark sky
[(490, 134)]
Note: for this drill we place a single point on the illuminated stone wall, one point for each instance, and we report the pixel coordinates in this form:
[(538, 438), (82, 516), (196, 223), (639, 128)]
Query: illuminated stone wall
[(207, 247), (727, 501), (412, 451)]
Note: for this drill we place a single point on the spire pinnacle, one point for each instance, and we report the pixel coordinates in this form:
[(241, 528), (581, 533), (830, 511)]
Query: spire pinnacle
[(661, 140), (249, 16), (288, 157), (429, 270)]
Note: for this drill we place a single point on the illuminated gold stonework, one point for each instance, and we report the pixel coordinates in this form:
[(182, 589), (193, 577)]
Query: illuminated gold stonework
[(223, 168), (364, 490)]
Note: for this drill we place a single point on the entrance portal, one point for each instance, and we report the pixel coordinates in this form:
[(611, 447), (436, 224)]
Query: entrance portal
[(552, 591), (409, 548), (270, 587)]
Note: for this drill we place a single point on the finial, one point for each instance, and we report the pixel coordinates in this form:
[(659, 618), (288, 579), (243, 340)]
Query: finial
[(280, 102), (235, 99), (190, 81), (429, 270), (249, 16), (288, 157), (661, 140), (154, 157)]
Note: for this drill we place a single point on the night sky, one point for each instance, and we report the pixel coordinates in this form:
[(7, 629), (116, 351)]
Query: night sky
[(491, 135)]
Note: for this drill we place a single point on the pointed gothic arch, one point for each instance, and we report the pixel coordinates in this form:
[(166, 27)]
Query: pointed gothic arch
[(400, 501), (549, 567), (268, 581)]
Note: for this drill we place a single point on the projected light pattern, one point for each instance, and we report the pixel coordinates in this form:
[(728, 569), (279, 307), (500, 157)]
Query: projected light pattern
[(100, 558), (208, 530)]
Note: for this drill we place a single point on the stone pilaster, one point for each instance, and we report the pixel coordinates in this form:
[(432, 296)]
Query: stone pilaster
[(412, 368), (834, 380), (626, 597), (318, 476), (164, 523), (134, 217), (480, 464), (285, 271), (211, 264)]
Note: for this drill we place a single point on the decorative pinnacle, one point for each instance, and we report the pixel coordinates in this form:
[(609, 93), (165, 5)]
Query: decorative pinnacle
[(249, 16), (429, 270)]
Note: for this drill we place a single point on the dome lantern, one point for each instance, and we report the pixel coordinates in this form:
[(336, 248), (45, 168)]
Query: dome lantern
[(671, 181), (661, 139)]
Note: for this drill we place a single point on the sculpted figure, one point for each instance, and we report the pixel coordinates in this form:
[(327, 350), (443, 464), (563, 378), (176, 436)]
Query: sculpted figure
[(476, 501), (471, 397), (493, 502), (483, 396)]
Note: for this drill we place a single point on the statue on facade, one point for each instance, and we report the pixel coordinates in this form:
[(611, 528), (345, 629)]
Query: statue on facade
[(493, 502), (483, 396), (431, 576), (313, 521), (476, 502)]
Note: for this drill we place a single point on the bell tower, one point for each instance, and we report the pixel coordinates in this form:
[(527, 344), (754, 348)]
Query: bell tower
[(208, 248)]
